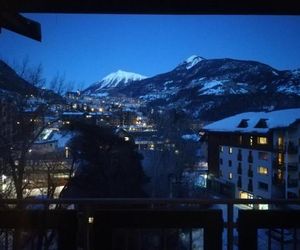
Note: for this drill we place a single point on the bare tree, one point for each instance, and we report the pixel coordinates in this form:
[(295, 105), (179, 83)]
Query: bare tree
[(32, 74), (58, 83)]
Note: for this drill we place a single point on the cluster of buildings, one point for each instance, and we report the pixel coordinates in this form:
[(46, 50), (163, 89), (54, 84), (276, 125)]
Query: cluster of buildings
[(23, 119), (249, 155), (255, 155)]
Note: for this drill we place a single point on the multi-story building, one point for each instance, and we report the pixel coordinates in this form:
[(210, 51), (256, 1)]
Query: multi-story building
[(255, 154)]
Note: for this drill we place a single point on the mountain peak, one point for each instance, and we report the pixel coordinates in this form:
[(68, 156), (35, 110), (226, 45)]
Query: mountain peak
[(191, 61), (114, 79)]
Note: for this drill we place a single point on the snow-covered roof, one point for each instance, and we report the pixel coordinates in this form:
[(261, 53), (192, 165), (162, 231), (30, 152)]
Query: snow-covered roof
[(50, 135), (259, 122), (190, 137), (62, 138)]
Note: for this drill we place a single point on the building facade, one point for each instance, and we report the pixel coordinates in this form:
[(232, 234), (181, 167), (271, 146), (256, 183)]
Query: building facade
[(255, 155)]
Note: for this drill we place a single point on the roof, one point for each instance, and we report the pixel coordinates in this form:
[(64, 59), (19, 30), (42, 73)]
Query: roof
[(258, 122)]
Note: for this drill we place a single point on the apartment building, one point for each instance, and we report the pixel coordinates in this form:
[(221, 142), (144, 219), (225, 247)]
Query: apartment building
[(255, 154)]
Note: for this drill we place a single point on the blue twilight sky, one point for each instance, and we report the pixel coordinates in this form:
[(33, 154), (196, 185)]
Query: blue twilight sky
[(88, 47)]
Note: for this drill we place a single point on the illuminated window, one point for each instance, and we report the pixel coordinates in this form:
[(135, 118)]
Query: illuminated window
[(230, 150), (262, 170), (230, 176), (262, 140), (126, 138), (280, 141), (221, 148)]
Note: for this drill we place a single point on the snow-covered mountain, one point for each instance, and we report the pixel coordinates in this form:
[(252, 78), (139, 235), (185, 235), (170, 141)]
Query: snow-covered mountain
[(190, 62), (216, 88), (118, 79)]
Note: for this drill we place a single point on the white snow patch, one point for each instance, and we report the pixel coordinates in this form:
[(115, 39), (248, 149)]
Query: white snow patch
[(289, 89), (104, 94), (190, 137), (211, 84), (168, 82), (263, 87), (192, 61), (62, 139), (153, 96), (212, 88)]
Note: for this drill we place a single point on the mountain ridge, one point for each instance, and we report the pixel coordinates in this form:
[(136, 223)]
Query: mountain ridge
[(204, 87)]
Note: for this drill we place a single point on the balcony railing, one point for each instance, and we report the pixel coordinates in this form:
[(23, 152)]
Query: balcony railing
[(293, 183), (239, 157), (292, 148), (279, 148), (250, 159), (91, 223), (293, 166), (250, 173), (239, 170)]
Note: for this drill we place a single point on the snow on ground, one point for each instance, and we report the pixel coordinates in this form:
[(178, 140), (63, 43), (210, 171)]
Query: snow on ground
[(289, 89), (212, 88), (190, 137), (192, 61), (104, 94)]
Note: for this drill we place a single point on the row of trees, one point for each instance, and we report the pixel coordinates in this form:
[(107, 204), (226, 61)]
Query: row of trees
[(34, 74)]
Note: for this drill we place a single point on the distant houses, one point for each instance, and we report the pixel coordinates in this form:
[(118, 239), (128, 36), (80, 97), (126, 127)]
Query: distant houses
[(255, 155)]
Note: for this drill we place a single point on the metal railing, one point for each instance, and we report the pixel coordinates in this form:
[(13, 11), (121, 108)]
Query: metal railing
[(91, 221)]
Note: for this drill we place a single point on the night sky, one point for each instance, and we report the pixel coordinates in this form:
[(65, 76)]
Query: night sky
[(88, 47)]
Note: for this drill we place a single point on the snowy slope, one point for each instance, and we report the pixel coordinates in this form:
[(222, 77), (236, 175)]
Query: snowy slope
[(119, 78), (191, 61), (210, 88)]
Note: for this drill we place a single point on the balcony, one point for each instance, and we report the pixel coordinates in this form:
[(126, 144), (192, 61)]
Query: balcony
[(250, 159), (292, 166), (239, 157), (278, 165), (278, 182), (292, 148), (103, 223), (250, 173), (239, 170), (279, 148), (293, 183)]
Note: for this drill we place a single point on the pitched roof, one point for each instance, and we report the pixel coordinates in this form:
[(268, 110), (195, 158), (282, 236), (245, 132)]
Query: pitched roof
[(259, 122)]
